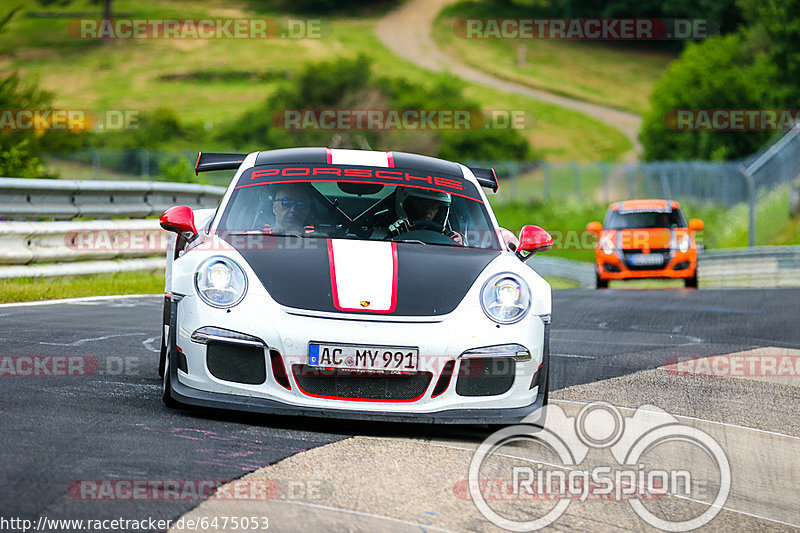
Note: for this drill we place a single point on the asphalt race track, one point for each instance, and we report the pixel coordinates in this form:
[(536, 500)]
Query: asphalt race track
[(110, 424)]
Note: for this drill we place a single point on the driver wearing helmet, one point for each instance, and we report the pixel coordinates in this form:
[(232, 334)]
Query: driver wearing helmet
[(422, 209), (292, 206)]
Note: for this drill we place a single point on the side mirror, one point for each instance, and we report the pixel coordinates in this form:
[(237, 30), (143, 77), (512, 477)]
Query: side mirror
[(179, 219), (533, 239), (594, 227), (696, 224)]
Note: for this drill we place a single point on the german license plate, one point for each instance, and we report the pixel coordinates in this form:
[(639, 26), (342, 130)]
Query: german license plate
[(363, 357), (647, 259)]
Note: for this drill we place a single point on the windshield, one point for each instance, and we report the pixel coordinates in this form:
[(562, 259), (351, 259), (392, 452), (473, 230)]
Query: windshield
[(359, 203), (644, 219)]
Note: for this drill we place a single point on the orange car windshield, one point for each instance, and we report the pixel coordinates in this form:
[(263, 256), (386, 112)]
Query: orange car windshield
[(644, 219)]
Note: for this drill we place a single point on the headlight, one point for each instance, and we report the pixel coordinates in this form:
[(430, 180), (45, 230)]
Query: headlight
[(686, 241), (607, 246), (505, 298), (220, 282)]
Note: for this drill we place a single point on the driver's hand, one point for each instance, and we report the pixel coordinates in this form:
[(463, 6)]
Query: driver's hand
[(400, 226), (457, 237)]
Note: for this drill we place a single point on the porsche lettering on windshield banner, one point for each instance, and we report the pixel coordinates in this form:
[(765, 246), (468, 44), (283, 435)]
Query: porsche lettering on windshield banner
[(271, 175)]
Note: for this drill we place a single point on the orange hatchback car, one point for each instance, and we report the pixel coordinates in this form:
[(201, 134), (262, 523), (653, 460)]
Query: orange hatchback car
[(646, 239)]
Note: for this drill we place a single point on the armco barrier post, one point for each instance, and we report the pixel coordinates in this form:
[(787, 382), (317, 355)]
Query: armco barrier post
[(751, 206)]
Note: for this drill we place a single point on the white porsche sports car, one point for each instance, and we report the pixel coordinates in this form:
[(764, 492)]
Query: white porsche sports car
[(354, 284)]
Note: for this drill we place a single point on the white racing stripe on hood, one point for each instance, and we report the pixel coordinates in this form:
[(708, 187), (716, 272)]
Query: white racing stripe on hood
[(363, 275), (359, 157)]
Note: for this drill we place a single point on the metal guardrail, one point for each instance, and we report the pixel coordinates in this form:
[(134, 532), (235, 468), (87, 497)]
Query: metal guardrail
[(68, 199), (82, 268), (763, 266), (23, 243), (70, 247)]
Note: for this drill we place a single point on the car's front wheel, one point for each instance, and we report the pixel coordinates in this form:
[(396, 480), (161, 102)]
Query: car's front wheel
[(691, 282), (166, 389), (162, 358), (601, 283)]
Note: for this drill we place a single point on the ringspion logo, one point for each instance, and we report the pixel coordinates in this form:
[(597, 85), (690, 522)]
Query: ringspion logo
[(637, 470)]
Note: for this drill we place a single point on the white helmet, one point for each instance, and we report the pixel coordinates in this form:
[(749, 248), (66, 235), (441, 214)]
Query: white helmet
[(404, 193)]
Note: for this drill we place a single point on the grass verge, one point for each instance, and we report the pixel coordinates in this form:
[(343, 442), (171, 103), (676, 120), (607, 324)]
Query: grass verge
[(35, 289), (561, 283)]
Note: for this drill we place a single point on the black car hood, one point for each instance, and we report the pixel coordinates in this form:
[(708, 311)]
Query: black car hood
[(429, 280)]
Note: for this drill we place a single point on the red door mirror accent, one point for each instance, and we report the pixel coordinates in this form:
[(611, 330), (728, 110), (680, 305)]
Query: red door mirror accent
[(179, 219), (534, 239)]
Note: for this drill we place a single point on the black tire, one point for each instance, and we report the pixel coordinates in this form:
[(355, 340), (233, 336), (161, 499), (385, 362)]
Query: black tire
[(162, 358), (165, 314), (691, 282), (546, 399), (601, 283), (166, 391)]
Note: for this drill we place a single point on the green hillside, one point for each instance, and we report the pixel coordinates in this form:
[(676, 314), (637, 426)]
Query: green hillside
[(609, 74), (210, 81)]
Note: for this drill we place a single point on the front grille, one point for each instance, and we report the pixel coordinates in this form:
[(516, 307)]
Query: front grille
[(237, 363), (641, 251), (664, 252), (339, 383), (485, 376)]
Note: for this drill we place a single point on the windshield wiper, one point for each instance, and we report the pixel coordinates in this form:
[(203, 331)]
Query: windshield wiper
[(415, 241)]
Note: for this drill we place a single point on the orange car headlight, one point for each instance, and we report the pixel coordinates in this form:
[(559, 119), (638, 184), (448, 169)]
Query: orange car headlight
[(607, 246)]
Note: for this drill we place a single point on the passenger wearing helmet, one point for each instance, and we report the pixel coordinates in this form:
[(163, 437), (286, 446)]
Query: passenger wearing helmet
[(422, 209)]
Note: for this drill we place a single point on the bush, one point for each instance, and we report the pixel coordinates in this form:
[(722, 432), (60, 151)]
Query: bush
[(20, 150), (351, 84), (720, 73)]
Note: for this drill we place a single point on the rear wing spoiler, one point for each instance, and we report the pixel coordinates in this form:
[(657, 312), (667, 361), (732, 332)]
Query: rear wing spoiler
[(486, 178), (208, 162)]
